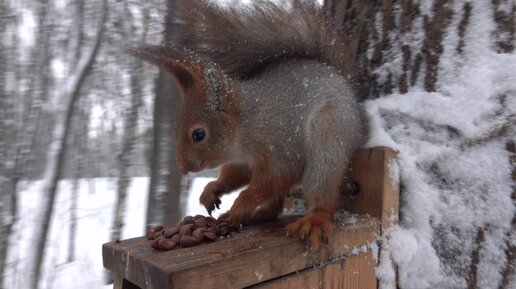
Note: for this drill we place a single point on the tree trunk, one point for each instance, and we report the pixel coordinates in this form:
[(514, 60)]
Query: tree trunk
[(23, 127), (80, 144), (126, 155), (57, 150), (129, 138), (8, 205), (410, 46), (378, 31), (80, 131), (5, 217), (165, 183)]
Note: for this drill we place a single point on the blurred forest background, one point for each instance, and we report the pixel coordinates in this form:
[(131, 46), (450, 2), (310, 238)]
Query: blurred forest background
[(75, 106), (438, 81)]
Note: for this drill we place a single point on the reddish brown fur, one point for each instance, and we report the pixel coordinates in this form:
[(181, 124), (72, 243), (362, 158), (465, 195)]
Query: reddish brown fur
[(271, 90), (315, 225)]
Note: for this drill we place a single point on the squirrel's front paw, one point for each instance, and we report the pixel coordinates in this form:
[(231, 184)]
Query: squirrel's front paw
[(314, 226), (210, 197), (241, 211)]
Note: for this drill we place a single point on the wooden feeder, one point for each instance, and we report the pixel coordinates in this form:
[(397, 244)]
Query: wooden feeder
[(264, 257)]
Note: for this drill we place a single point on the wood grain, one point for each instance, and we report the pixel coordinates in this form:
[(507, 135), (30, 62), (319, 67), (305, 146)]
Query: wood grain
[(379, 189), (253, 255), (352, 272), (261, 253)]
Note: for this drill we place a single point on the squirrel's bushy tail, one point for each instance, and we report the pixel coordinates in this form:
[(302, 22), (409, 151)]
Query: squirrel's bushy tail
[(245, 38)]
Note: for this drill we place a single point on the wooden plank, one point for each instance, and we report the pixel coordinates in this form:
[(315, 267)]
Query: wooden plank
[(359, 272), (253, 255), (354, 272), (377, 172), (374, 169)]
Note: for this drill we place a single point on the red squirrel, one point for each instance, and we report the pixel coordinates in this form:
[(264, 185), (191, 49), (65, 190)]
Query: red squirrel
[(266, 94)]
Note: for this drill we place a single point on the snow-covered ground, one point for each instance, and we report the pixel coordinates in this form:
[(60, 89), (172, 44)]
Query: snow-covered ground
[(95, 214)]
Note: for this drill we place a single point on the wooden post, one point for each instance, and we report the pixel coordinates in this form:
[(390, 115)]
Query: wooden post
[(376, 170)]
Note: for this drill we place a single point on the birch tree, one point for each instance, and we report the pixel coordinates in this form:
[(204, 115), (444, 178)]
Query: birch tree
[(61, 132), (5, 209), (80, 139), (165, 183), (129, 137), (8, 162)]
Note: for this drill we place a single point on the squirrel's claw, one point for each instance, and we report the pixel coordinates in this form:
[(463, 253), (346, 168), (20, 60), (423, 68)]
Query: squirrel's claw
[(315, 226), (210, 197), (210, 208)]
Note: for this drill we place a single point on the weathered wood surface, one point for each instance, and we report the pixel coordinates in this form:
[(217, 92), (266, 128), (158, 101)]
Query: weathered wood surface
[(248, 257), (352, 272), (376, 170), (261, 253)]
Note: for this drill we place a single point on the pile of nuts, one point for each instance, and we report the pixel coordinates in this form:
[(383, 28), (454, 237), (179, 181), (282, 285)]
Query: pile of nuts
[(189, 232)]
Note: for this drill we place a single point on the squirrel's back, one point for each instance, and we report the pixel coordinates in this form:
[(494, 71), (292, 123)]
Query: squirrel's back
[(244, 39), (307, 90)]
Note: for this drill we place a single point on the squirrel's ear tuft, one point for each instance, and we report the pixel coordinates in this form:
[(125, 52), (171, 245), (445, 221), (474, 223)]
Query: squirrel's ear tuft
[(177, 62), (191, 70)]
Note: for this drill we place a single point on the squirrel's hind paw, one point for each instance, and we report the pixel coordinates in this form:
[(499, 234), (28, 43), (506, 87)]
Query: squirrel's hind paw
[(315, 226)]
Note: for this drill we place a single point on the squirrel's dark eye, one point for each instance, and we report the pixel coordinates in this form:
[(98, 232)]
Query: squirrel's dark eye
[(198, 135)]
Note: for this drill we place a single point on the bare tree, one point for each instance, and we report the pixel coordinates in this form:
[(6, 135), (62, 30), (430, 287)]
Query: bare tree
[(7, 190), (57, 150), (80, 139), (165, 183), (130, 127), (74, 50), (5, 210), (24, 116)]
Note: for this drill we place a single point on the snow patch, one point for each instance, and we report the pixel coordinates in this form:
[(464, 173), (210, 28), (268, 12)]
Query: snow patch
[(394, 173)]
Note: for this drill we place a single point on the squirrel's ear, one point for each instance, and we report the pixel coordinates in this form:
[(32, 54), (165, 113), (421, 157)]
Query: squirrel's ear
[(190, 70), (180, 64)]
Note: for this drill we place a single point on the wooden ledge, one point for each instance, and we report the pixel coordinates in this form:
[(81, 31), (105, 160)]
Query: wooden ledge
[(248, 257), (264, 257)]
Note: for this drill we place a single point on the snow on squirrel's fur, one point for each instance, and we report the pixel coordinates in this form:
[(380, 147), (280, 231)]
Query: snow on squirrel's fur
[(451, 191)]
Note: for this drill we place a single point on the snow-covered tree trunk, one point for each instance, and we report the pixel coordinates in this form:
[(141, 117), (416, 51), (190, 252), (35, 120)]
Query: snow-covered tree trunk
[(56, 153), (439, 81), (399, 44)]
